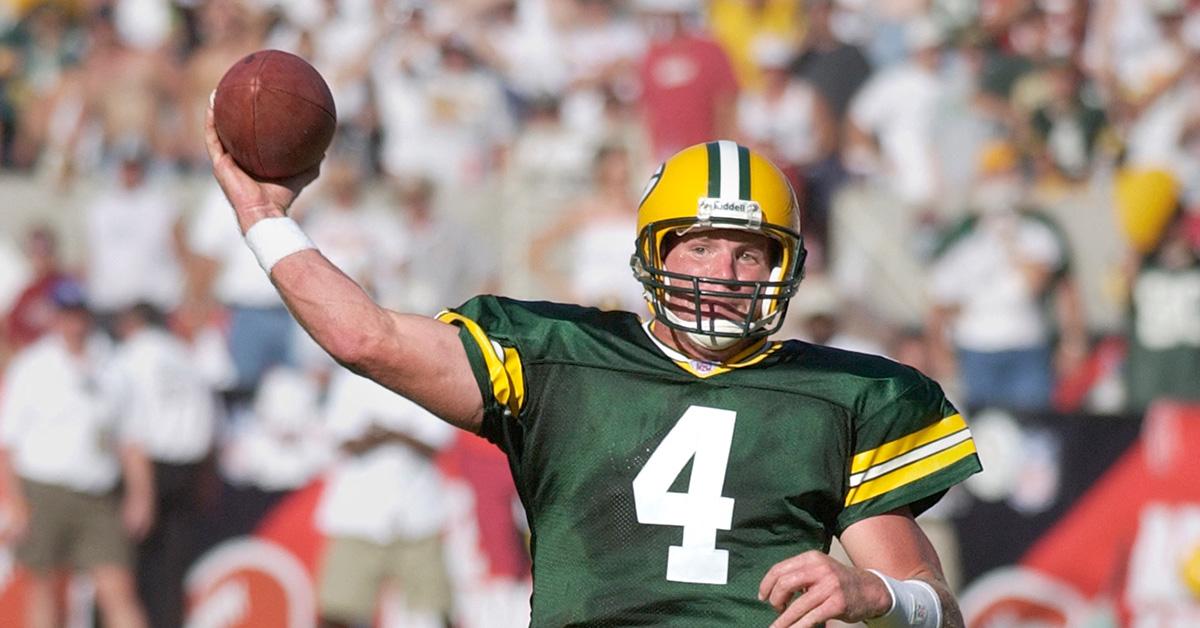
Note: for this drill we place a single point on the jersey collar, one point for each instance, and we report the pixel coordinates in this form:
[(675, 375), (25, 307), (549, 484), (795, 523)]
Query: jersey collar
[(704, 369)]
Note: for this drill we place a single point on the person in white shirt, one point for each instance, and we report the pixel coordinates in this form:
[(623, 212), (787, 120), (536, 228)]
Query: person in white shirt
[(172, 410), (891, 122), (382, 508), (438, 265), (990, 284), (133, 242), (63, 450), (260, 329), (590, 241)]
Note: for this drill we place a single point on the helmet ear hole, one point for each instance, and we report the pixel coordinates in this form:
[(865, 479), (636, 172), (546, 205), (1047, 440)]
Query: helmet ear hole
[(775, 254)]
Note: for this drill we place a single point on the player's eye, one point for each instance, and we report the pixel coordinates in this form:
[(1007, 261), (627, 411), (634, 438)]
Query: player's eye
[(752, 257)]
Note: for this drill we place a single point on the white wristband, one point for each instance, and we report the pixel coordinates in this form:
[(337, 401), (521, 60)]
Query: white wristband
[(272, 239), (914, 605)]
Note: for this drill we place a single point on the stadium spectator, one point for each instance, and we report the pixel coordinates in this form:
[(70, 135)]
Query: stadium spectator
[(993, 281), (583, 256), (271, 449), (823, 318), (1164, 325), (125, 90), (889, 131), (222, 273), (518, 39), (440, 266), (1069, 126), (65, 445), (341, 221), (442, 116), (739, 26), (46, 45), (172, 409), (601, 47), (33, 310), (1162, 121), (837, 68), (549, 165), (134, 241), (226, 30), (785, 118), (14, 277), (382, 508), (789, 121), (689, 90)]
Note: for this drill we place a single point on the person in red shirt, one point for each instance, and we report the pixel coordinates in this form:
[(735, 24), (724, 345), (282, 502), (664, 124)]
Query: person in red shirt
[(33, 311), (689, 90)]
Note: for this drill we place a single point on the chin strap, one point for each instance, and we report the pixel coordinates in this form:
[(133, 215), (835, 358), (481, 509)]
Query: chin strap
[(705, 340)]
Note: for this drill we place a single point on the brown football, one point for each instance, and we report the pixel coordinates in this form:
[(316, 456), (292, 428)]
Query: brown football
[(274, 114)]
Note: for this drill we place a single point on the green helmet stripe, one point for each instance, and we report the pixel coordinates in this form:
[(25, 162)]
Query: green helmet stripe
[(714, 169)]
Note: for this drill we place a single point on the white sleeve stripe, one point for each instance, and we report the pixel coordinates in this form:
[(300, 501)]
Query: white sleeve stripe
[(924, 451)]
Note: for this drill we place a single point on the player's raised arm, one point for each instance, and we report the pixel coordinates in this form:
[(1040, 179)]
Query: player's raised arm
[(416, 356)]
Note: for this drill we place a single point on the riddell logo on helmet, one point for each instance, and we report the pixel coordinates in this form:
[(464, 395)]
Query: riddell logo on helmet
[(719, 208)]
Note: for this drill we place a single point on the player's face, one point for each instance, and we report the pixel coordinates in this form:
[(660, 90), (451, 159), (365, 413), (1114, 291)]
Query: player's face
[(719, 254)]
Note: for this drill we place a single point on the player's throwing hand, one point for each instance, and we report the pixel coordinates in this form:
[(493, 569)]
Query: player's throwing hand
[(812, 588), (251, 198)]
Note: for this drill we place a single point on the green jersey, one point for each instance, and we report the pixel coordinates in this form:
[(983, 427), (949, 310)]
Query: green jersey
[(660, 490)]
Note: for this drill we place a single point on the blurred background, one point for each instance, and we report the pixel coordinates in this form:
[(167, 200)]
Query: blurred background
[(1004, 194)]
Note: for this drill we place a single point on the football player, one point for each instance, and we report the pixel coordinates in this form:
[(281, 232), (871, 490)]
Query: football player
[(685, 470)]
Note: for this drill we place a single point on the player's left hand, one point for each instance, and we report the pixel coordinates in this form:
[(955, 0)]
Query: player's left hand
[(812, 588)]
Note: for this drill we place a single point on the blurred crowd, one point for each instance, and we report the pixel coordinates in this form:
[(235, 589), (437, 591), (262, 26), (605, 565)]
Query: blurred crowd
[(1003, 193)]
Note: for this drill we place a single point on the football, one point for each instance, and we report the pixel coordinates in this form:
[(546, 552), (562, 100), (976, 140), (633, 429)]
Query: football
[(274, 114)]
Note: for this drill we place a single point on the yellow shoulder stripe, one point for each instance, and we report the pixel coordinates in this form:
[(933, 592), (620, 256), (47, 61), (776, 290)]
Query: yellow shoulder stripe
[(910, 473), (503, 363), (905, 444), (909, 458)]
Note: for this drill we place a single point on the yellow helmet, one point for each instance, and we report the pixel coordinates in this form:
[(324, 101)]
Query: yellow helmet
[(719, 185)]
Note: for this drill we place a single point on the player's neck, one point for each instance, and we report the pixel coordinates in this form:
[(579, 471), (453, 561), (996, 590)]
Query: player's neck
[(679, 341)]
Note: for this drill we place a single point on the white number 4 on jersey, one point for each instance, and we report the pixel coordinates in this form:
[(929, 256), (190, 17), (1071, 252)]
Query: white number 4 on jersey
[(703, 435)]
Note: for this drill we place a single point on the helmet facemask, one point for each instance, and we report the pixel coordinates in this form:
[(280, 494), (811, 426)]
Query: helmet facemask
[(718, 185), (766, 300)]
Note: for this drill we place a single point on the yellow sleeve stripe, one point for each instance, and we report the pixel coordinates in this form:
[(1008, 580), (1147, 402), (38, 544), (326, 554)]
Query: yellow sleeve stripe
[(910, 473), (905, 444), (503, 363)]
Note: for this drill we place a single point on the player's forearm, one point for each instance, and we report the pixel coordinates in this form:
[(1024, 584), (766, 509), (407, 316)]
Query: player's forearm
[(415, 356), (332, 308)]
